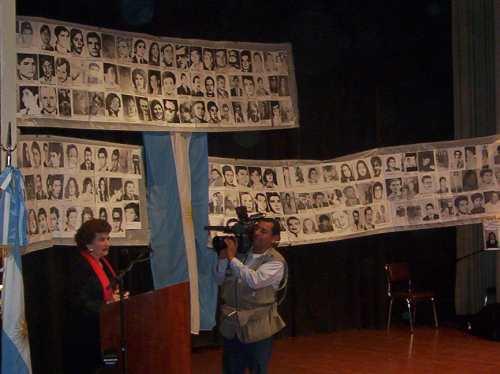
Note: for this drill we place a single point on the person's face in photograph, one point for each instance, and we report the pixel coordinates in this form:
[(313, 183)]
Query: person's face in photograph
[(110, 75), (48, 100), (247, 201), (94, 46), (87, 156), (42, 223), (221, 58), (308, 225), (168, 85), (261, 203), (195, 56), (427, 182), (229, 176), (77, 42), (221, 83), (377, 192), (72, 157), (130, 108), (56, 187), (170, 111), (245, 62), (257, 62), (249, 86), (350, 193), (27, 68), (369, 216), (101, 160), (130, 189), (236, 82), (45, 36), (32, 222), (275, 204), (102, 185), (225, 112), (139, 82), (478, 202), (72, 187), (377, 167), (487, 177), (214, 113), (256, 177), (62, 40), (62, 73), (346, 171), (294, 225), (168, 54), (115, 104), (38, 183), (494, 198), (395, 186), (208, 59), (313, 176), (47, 70), (123, 50), (197, 83), (429, 210), (143, 103), (273, 84), (233, 57), (28, 99), (199, 110), (392, 163), (130, 215), (443, 184), (117, 222), (355, 216), (103, 215), (457, 155), (210, 86), (158, 112), (154, 82), (242, 177), (320, 199), (55, 159), (463, 206), (269, 61), (362, 170)]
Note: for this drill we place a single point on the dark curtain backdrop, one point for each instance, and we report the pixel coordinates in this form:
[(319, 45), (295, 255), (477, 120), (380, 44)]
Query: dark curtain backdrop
[(369, 74)]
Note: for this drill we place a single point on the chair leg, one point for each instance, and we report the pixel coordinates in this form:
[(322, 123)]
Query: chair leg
[(408, 303), (436, 325), (389, 315)]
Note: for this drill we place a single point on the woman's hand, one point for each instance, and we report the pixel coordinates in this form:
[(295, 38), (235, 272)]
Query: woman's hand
[(116, 295)]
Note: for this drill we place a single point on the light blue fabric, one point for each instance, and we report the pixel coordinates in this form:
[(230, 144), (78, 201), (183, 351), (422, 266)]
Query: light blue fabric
[(198, 163), (13, 233), (169, 264)]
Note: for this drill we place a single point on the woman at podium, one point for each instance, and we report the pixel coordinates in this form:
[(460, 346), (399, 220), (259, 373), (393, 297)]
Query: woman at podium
[(91, 283)]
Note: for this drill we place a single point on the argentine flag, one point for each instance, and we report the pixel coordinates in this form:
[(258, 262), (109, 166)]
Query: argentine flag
[(177, 182), (13, 235)]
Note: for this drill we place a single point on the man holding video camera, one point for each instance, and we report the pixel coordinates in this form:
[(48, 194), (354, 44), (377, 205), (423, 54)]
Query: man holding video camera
[(249, 310)]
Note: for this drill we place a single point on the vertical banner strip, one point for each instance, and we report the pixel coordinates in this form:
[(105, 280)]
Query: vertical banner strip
[(180, 145), (198, 160), (168, 264)]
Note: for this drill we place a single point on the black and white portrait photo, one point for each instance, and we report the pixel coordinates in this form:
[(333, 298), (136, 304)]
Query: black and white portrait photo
[(29, 103)]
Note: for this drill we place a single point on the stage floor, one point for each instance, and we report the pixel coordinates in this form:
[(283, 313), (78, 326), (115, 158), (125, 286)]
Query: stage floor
[(374, 351)]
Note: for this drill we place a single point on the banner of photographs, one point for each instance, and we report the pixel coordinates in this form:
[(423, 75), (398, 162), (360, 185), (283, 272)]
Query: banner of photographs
[(75, 73), (330, 200), (67, 184)]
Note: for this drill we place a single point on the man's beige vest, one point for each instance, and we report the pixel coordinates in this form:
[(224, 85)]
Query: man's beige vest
[(249, 314)]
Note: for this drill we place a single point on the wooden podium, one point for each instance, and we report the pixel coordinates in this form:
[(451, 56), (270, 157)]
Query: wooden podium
[(157, 331)]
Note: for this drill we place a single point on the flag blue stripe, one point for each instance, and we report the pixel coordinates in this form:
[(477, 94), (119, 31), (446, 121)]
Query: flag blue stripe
[(198, 163), (12, 361), (168, 263)]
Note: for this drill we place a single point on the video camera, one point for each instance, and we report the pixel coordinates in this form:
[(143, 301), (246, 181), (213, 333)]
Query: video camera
[(242, 228)]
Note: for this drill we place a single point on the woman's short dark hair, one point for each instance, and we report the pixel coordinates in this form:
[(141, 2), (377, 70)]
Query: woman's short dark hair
[(88, 230)]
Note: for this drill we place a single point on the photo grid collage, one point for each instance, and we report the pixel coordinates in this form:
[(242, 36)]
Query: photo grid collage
[(81, 74), (328, 200), (68, 183)]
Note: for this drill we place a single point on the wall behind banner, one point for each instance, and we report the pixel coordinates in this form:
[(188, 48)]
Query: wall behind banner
[(368, 75)]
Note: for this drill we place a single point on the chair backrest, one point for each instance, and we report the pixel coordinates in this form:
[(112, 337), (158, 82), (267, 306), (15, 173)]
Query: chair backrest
[(398, 277)]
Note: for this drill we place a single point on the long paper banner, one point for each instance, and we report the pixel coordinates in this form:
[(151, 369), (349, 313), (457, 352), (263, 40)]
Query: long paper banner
[(381, 190), (81, 76), (69, 181)]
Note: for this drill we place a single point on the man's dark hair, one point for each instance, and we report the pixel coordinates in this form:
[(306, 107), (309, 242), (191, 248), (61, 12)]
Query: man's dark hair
[(484, 171), (276, 229), (87, 232), (476, 195)]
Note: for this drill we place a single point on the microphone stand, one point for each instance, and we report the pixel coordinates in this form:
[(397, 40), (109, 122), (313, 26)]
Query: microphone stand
[(119, 280)]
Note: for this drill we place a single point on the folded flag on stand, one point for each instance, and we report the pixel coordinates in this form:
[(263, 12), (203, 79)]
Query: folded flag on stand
[(13, 235)]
